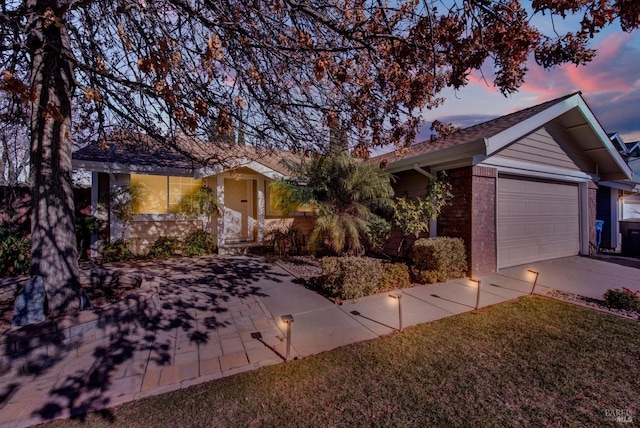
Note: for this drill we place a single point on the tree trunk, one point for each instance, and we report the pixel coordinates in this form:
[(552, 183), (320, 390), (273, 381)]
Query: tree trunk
[(53, 239)]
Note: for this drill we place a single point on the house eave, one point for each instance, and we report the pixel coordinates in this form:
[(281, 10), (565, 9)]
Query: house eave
[(119, 168), (460, 155), (604, 153)]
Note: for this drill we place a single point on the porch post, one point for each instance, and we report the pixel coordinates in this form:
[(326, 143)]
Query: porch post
[(261, 210), (94, 211), (220, 196)]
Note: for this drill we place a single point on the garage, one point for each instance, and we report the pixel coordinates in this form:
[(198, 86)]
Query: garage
[(536, 220)]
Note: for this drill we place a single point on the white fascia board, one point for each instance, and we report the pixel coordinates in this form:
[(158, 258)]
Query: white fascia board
[(629, 186), (617, 139), (208, 171), (119, 168), (525, 127), (510, 166), (455, 154), (265, 170), (509, 135), (604, 138), (256, 166)]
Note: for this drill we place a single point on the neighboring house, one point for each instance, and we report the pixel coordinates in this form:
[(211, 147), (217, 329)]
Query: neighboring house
[(524, 184), (619, 200), (241, 187)]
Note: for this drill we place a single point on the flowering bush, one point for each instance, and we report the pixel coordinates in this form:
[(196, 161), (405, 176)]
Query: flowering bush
[(625, 299)]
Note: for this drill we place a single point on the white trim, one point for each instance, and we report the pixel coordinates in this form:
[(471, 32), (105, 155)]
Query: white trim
[(459, 154), (208, 171), (583, 200), (250, 219), (116, 181), (243, 162), (424, 172), (220, 195), (261, 209), (629, 186), (510, 166)]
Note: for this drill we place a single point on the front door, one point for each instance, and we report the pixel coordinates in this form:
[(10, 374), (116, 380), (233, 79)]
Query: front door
[(237, 197)]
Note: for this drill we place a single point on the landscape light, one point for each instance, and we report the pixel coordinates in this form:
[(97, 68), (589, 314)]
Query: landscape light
[(478, 293), (288, 320), (535, 279), (398, 297)]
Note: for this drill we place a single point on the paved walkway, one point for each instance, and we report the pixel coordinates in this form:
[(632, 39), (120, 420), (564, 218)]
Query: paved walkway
[(221, 316)]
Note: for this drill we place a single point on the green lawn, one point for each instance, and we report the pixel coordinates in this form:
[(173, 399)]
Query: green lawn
[(530, 362)]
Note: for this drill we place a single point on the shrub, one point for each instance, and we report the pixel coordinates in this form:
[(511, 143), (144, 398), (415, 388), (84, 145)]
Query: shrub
[(164, 247), (394, 275), (350, 277), (444, 256), (199, 243), (116, 251), (288, 242), (424, 276), (624, 299), (15, 251), (378, 234)]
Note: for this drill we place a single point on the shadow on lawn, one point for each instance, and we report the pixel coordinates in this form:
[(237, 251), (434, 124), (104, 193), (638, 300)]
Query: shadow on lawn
[(195, 295)]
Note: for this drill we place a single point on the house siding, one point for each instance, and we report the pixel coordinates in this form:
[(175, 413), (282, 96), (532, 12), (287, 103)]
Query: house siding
[(550, 145)]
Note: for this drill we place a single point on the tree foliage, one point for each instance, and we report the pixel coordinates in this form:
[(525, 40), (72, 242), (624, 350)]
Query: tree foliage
[(412, 216), (286, 71), (282, 73), (342, 190)]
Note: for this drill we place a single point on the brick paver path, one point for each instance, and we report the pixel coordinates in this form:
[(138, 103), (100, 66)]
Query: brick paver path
[(211, 324)]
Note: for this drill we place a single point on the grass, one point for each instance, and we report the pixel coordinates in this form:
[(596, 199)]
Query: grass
[(528, 362)]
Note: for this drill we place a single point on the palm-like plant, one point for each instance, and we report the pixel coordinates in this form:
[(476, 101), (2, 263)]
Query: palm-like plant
[(342, 190)]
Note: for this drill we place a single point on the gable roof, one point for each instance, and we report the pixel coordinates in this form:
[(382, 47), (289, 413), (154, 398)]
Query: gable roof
[(138, 153), (474, 144)]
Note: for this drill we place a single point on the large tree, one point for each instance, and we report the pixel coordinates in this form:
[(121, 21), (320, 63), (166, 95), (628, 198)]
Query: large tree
[(282, 71)]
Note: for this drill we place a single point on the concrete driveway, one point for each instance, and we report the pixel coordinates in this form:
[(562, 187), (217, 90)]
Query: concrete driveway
[(586, 276)]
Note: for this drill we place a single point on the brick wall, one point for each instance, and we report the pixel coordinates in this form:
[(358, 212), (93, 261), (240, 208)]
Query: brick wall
[(483, 239), (472, 216), (455, 220)]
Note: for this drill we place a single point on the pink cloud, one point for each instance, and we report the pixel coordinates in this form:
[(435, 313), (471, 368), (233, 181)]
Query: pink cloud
[(606, 73)]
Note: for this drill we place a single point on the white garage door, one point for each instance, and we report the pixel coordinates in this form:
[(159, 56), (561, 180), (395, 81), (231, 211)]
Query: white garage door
[(536, 221)]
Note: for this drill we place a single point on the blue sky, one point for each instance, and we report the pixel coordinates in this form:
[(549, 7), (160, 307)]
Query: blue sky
[(610, 84)]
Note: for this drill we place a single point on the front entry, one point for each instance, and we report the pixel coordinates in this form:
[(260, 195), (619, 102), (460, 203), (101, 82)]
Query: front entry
[(238, 197)]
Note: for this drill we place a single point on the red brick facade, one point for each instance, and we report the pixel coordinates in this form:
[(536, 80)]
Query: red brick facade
[(472, 216)]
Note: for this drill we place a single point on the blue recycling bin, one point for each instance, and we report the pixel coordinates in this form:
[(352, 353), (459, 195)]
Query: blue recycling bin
[(599, 227)]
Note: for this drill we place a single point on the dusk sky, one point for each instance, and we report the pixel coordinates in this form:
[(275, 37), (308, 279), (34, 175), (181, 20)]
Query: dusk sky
[(610, 84)]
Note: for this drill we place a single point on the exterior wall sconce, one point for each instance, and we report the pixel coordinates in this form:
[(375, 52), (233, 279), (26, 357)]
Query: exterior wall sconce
[(535, 280), (288, 320), (398, 297), (478, 293)]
